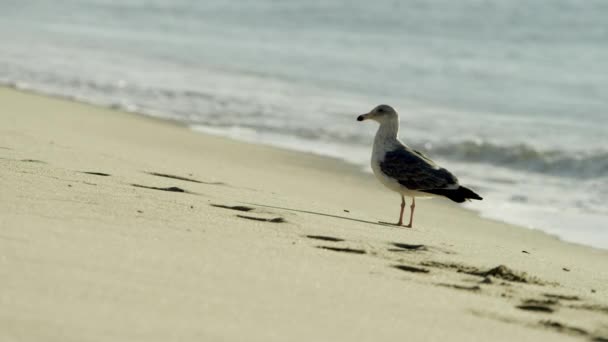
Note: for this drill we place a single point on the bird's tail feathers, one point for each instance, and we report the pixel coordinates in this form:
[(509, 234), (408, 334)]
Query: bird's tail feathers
[(457, 195)]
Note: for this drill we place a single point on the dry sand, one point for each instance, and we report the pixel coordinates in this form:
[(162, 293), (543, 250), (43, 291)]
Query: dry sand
[(92, 247)]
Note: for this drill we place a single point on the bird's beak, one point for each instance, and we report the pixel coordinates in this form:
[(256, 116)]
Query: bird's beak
[(363, 117)]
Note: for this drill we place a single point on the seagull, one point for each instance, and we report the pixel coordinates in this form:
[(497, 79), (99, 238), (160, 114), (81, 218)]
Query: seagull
[(407, 171)]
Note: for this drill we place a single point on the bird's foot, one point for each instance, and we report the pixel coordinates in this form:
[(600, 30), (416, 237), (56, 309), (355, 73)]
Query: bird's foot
[(400, 224)]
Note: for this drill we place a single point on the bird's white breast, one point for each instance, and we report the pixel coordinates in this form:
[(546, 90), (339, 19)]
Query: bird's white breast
[(381, 147)]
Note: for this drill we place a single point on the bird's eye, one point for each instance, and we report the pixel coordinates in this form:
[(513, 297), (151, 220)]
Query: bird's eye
[(381, 110)]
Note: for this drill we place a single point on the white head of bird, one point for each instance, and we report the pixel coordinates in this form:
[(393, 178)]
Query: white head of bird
[(381, 114), (388, 119)]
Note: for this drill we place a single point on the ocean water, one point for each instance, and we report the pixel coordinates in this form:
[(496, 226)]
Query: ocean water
[(510, 95)]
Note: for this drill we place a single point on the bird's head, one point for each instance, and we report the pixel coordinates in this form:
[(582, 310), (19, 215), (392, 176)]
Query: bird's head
[(380, 114)]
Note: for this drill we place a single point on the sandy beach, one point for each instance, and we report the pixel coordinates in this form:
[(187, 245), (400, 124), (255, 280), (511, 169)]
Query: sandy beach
[(118, 227)]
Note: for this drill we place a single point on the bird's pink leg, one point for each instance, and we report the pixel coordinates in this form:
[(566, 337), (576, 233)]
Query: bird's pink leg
[(409, 225), (400, 223)]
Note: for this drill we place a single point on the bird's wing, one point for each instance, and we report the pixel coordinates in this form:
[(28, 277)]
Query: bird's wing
[(416, 171)]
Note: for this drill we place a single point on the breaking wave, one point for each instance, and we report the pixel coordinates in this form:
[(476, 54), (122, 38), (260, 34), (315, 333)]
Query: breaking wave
[(587, 164)]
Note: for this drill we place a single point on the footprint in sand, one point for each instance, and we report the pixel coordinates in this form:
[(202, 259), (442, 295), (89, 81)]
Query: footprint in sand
[(545, 302), (232, 207), (343, 249), (165, 175), (170, 189), (570, 330), (247, 209), (95, 173), (324, 238), (500, 272), (591, 307), (561, 297), (536, 308), (473, 288), (404, 247), (33, 161), (262, 219), (412, 269)]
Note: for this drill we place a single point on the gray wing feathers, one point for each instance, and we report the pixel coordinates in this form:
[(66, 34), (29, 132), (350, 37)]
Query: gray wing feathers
[(415, 171)]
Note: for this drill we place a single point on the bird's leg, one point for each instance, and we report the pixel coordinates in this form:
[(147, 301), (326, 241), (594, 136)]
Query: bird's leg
[(409, 225), (400, 223)]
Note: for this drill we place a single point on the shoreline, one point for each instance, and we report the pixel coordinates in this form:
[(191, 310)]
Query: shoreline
[(160, 233), (491, 215)]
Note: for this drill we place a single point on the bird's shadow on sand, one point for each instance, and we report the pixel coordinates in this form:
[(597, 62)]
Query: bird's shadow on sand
[(383, 224)]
